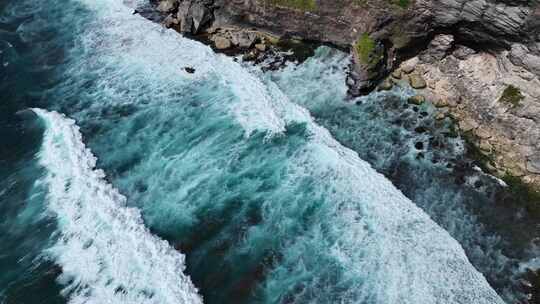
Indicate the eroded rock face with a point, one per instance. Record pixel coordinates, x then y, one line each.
400 31
469 85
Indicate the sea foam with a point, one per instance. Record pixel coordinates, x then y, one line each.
106 253
391 251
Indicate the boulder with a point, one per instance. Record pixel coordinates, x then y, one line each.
408 66
243 39
167 6
482 133
522 56
185 17
417 99
417 82
170 21
222 43
201 15
467 125
396 74
438 48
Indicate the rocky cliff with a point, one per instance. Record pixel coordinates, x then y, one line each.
478 61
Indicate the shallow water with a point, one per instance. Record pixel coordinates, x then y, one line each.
261 181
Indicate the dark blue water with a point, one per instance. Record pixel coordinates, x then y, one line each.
251 176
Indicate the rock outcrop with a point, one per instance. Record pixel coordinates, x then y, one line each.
493 98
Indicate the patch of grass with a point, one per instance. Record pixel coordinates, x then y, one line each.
366 49
512 95
304 5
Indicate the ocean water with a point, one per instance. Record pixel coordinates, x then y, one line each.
125 179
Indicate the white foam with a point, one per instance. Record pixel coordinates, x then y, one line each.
405 255
157 56
391 247
106 253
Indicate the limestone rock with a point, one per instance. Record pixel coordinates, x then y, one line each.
438 48
417 82
467 125
417 99
533 164
167 6
222 43
407 68
170 21
462 52
201 16
482 133
522 56
243 39
485 146
185 17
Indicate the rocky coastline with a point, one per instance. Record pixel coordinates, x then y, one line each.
477 61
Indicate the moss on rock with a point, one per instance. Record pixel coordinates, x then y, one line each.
366 48
512 95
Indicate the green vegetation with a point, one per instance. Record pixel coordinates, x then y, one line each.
304 5
512 95
367 50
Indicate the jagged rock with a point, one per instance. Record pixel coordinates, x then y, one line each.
222 43
417 82
185 17
417 99
482 133
243 39
408 68
201 16
440 102
438 48
170 21
462 52
533 164
485 146
467 125
166 6
522 56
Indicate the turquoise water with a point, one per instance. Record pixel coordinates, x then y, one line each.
228 185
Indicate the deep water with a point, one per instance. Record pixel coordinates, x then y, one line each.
228 185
